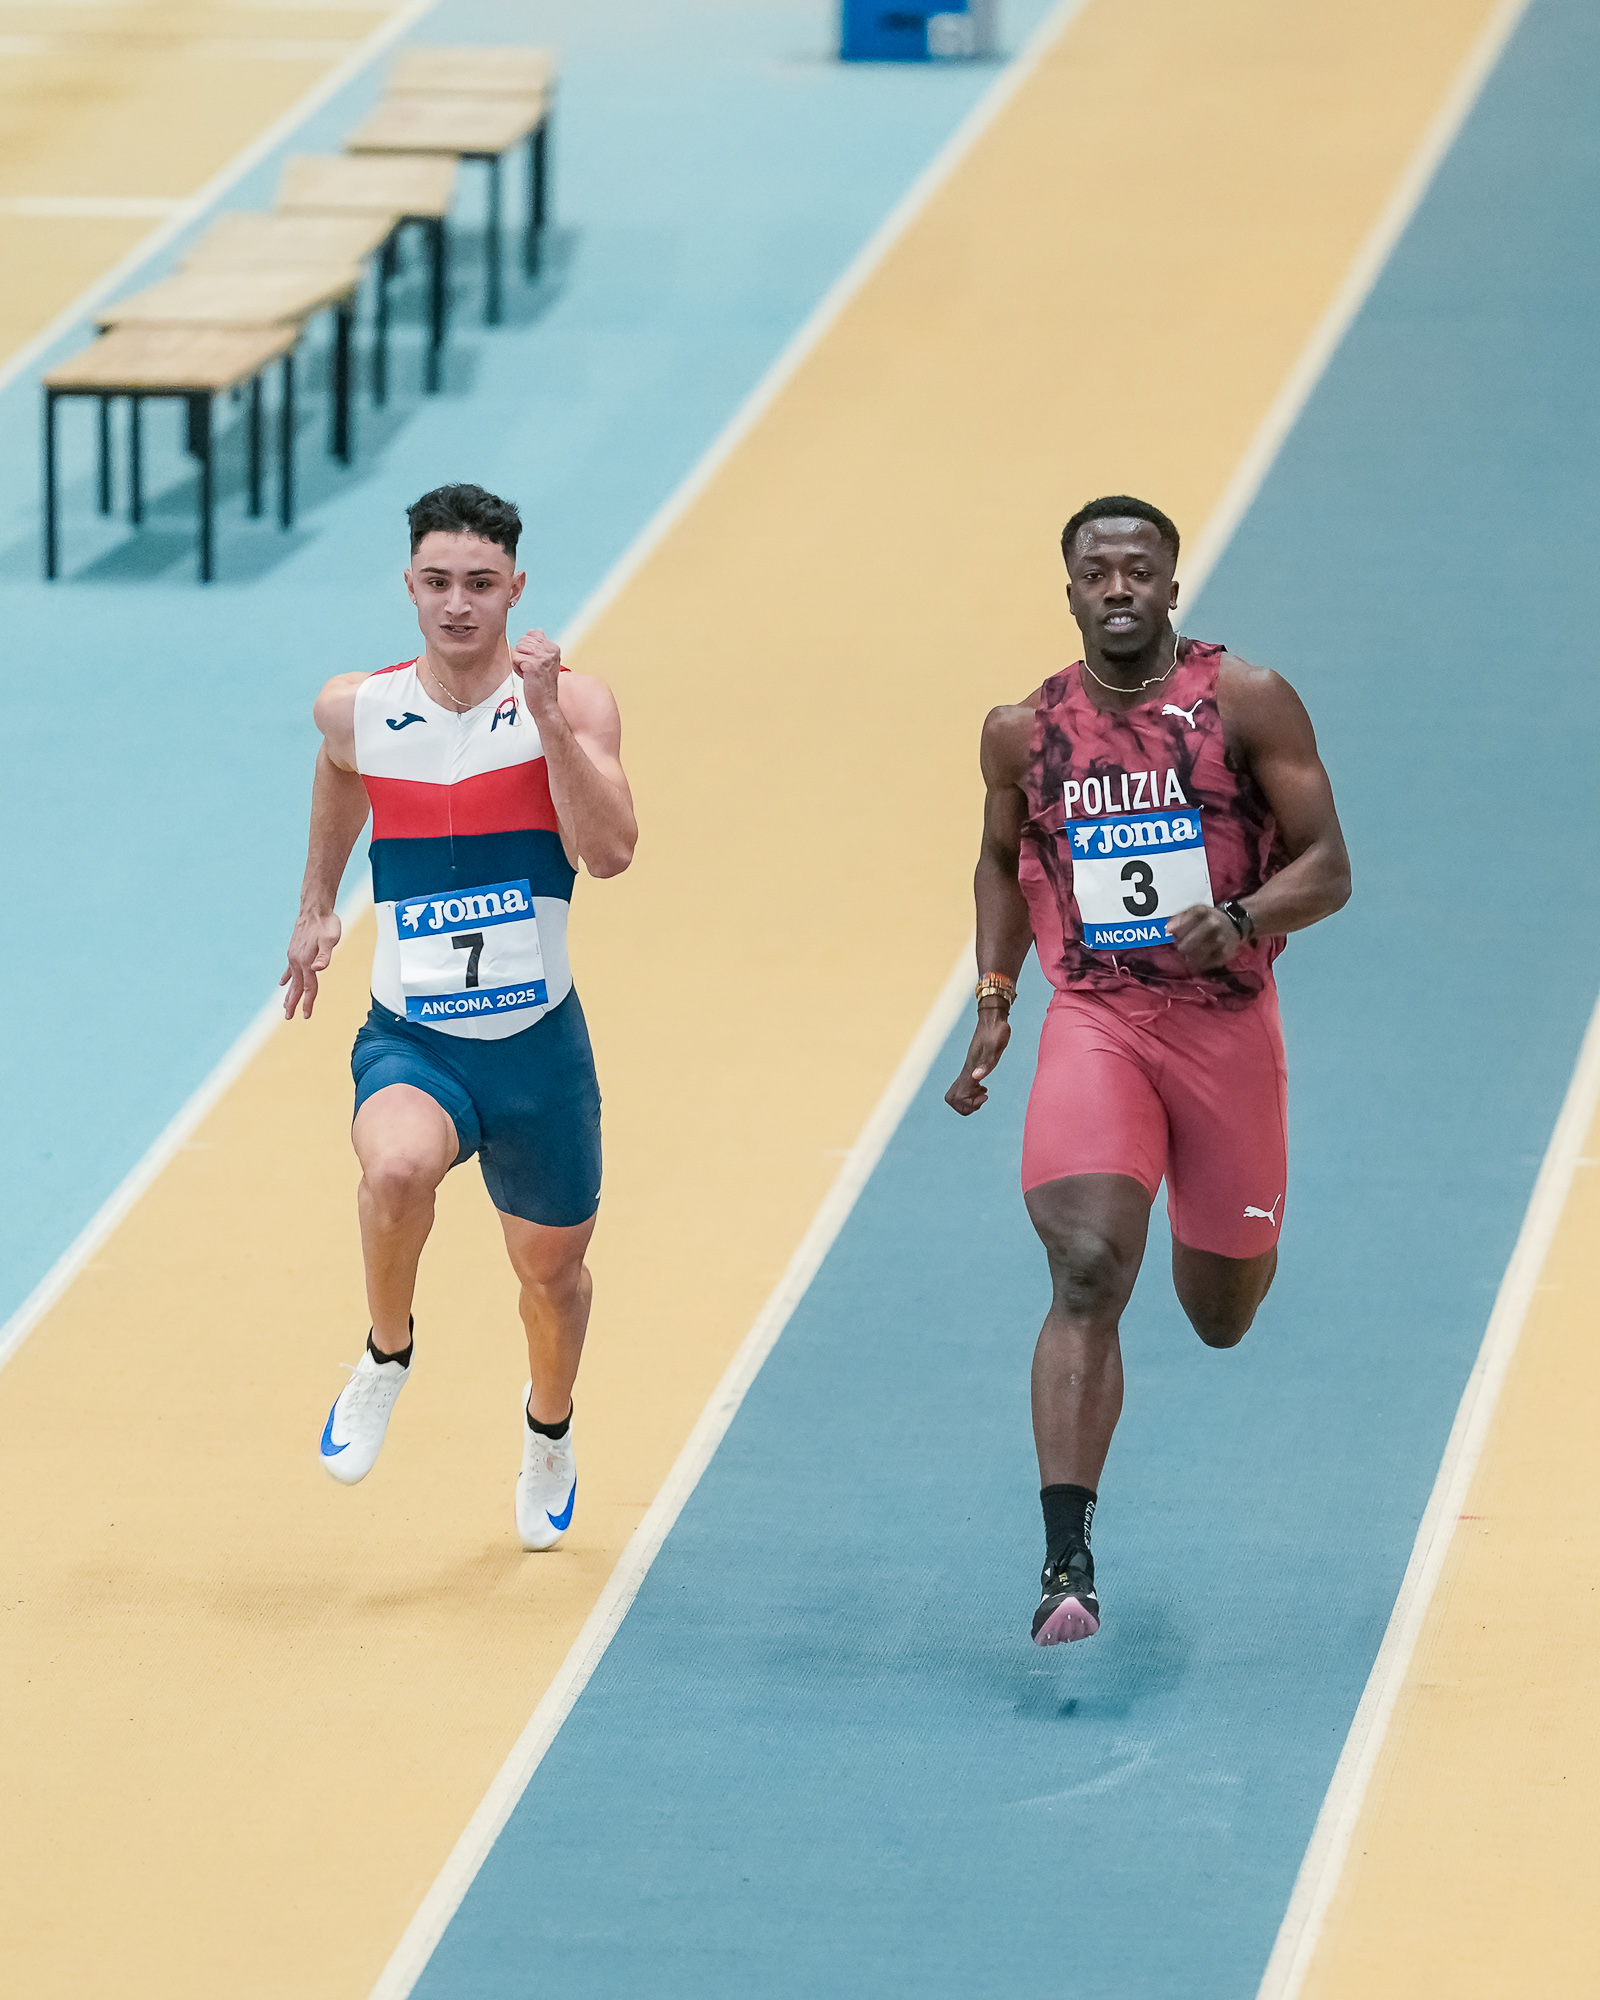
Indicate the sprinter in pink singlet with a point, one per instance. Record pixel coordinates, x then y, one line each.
1157 819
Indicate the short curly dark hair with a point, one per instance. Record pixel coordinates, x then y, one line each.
1118 507
465 510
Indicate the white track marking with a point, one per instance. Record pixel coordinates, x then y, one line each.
1341 1809
442 1901
101 1224
169 1141
183 213
91 207
90 43
1351 296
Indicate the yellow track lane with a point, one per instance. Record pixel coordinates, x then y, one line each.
248 1712
1473 1867
145 99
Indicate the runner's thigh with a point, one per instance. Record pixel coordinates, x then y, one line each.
1094 1107
1226 1091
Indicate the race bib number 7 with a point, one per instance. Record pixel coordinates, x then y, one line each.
471 951
1130 874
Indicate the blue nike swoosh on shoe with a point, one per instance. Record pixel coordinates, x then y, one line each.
561 1520
407 717
332 1450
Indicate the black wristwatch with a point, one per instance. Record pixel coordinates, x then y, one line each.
1240 918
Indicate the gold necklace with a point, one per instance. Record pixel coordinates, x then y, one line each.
1115 687
462 707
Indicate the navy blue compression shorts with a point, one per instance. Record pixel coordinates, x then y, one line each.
527 1105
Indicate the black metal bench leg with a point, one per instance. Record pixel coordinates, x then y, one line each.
286 445
255 447
492 249
439 246
135 460
105 454
380 320
199 408
341 383
535 229
50 482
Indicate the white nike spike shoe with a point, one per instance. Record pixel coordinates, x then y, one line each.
353 1435
547 1486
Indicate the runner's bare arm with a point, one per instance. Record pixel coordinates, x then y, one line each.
581 731
1005 929
338 813
1266 725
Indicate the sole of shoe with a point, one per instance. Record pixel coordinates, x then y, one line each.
1070 1620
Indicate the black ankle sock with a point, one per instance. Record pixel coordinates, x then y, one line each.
549 1430
1068 1510
404 1357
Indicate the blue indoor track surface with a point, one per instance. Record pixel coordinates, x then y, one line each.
713 173
821 1757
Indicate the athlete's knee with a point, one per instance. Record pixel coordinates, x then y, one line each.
400 1182
1221 1325
1087 1272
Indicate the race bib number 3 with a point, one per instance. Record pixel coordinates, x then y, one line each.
471 951
1129 875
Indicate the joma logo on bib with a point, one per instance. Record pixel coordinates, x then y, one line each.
503 903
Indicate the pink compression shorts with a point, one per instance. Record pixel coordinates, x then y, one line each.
1131 1084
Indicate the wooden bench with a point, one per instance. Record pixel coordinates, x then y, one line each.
405 193
278 295
190 364
253 242
470 126
474 72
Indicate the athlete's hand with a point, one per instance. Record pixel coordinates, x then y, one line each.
310 948
1205 936
988 1045
537 660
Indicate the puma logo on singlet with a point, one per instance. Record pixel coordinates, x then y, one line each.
407 717
1263 1214
1171 708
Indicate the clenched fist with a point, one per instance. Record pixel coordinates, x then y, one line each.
537 659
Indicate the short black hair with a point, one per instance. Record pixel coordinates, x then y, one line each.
465 510
1118 507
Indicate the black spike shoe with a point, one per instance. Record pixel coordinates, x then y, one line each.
1068 1608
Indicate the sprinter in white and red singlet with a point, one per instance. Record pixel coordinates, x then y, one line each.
1156 820
490 773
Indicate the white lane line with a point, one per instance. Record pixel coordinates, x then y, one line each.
91 207
442 1901
215 189
1351 296
1341 1809
97 1231
100 44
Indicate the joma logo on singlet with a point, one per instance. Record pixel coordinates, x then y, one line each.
1140 791
480 906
